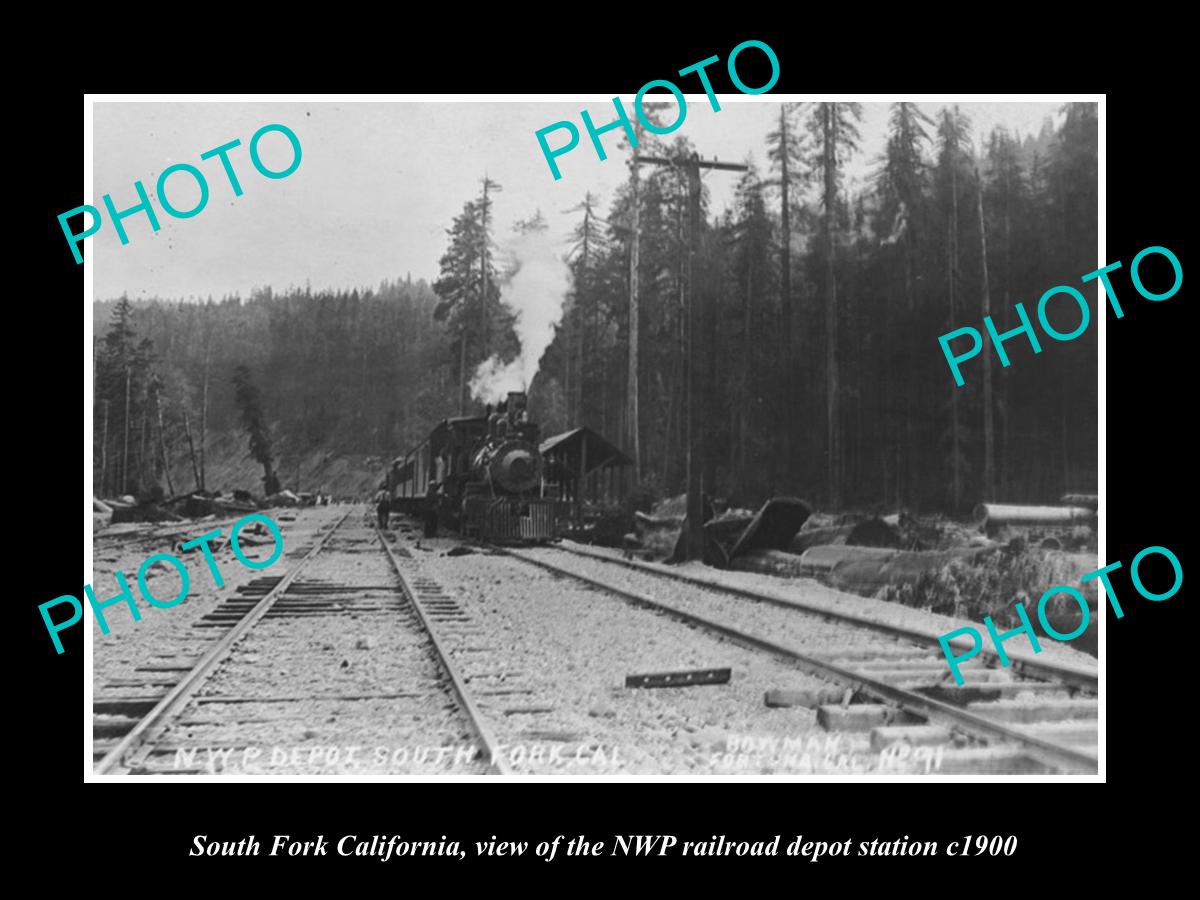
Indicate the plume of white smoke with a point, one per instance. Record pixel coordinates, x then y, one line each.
536 294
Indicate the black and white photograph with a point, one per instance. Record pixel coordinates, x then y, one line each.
448 438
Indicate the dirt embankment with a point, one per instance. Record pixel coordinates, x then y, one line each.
229 466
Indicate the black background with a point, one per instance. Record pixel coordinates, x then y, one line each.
1071 828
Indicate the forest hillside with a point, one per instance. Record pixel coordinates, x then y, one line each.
826 299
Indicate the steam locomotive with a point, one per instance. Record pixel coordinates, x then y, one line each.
481 476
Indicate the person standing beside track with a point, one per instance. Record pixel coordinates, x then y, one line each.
383 508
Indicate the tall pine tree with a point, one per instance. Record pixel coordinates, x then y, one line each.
902 183
466 269
785 151
834 137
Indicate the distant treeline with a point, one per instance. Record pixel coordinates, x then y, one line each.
826 379
352 371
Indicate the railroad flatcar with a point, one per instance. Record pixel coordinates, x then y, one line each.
481 476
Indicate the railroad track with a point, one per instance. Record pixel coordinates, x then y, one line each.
440 668
1037 716
508 703
277 676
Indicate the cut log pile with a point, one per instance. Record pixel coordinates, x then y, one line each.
858 570
933 562
195 505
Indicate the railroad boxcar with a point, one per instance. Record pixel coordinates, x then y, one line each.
481 476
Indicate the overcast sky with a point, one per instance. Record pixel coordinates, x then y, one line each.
380 183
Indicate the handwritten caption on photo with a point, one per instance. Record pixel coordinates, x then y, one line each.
831 754
255 759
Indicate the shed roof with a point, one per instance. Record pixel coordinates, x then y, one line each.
600 453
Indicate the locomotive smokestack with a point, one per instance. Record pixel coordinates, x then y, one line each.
516 400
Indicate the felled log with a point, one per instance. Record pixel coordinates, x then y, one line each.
154 513
864 570
827 557
122 514
193 505
817 537
1090 501
102 514
996 514
868 533
769 562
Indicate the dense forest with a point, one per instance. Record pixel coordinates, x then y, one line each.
823 379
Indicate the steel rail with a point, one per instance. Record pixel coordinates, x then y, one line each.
176 698
1046 752
486 737
1074 676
